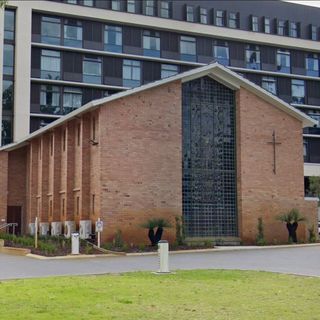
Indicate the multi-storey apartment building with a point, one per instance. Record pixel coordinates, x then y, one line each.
60 54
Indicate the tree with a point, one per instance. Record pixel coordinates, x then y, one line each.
160 224
3 3
292 219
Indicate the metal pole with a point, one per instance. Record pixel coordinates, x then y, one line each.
36 233
99 236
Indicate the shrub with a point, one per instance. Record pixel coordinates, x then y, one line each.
260 240
312 234
158 223
118 240
180 238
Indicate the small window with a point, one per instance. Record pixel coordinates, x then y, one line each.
77 205
294 30
92 70
266 25
9 24
63 139
165 9
297 91
93 204
188 48
72 1
254 24
313 32
150 9
203 16
88 3
151 43
78 134
115 5
253 57
72 99
50 64
269 84
312 65
51 145
220 18
63 205
168 70
8 59
131 73
93 128
281 28
190 13
7 95
233 20
50 99
221 52
113 39
73 33
50 30
283 61
131 6
50 208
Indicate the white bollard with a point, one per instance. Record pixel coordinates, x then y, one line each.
74 243
163 251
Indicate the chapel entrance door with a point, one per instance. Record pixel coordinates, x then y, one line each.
14 216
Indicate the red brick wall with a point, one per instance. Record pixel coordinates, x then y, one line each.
261 193
141 175
3 185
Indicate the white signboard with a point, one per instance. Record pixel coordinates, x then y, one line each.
99 226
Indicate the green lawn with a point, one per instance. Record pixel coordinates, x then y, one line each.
204 295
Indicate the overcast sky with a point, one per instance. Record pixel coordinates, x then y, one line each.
313 3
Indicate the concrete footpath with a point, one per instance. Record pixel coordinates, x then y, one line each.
300 260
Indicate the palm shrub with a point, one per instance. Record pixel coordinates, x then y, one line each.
260 240
153 223
292 219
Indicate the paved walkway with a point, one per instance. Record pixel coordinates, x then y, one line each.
302 261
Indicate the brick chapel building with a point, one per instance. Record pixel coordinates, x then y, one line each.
206 144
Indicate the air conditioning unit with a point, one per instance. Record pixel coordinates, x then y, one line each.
44 228
69 227
85 229
56 228
32 229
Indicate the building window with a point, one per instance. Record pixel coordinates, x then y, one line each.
151 43
72 1
165 9
168 70
64 137
50 64
305 150
253 57
297 91
7 95
150 9
221 52
115 5
220 18
188 48
203 15
190 13
113 38
8 59
92 70
50 99
266 25
294 30
73 33
254 24
313 32
6 130
233 20
269 84
131 6
93 128
283 61
312 65
281 28
72 99
316 116
77 205
88 3
131 73
50 30
9 23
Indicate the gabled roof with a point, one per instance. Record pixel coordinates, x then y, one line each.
214 70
